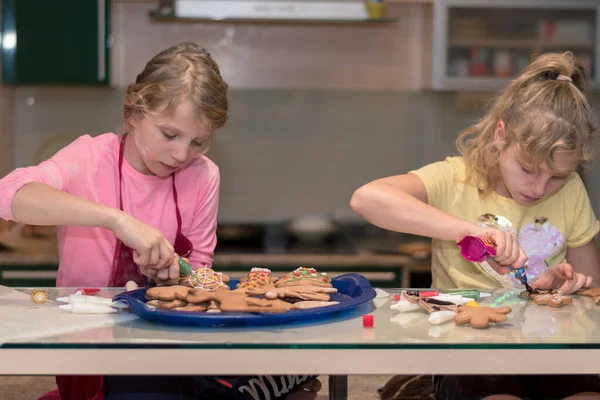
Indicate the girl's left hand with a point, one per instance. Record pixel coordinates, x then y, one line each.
564 277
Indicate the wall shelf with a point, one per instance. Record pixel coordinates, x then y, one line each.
160 18
481 45
520 44
489 84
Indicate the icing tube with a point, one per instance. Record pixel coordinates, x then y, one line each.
87 308
471 293
87 291
185 268
439 317
405 306
78 298
477 249
455 298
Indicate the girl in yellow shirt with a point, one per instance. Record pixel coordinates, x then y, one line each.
516 183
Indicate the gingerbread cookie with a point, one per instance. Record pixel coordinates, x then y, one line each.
525 295
256 278
480 317
167 304
291 293
192 308
547 297
167 293
212 307
207 279
237 301
593 292
302 305
303 276
553 300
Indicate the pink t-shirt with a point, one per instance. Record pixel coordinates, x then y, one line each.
88 168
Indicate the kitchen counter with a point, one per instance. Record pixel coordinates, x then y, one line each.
384 270
253 259
25 259
353 259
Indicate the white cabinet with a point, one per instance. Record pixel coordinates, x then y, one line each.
479 45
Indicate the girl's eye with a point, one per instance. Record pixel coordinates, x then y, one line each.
203 143
527 171
167 135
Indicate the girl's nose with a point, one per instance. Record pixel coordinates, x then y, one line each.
179 153
539 188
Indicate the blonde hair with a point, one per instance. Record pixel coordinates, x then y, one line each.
544 109
181 73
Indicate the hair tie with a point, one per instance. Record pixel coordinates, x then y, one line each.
563 78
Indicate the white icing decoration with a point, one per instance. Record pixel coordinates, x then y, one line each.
257 269
204 277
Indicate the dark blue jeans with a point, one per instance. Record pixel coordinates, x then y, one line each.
261 387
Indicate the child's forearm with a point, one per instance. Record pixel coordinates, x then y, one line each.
396 210
40 204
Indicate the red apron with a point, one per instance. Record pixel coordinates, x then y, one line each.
123 270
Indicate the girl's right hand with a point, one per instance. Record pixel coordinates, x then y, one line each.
170 275
509 254
152 251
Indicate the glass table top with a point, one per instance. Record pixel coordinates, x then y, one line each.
29 325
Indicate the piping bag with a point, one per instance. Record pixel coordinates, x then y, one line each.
477 249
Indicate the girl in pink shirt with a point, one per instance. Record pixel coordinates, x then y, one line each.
129 201
127 207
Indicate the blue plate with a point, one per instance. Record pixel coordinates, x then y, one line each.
353 290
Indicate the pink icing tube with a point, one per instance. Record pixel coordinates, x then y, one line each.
477 249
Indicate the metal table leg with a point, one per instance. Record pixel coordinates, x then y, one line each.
338 387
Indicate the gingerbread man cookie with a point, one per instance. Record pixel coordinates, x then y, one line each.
551 299
303 276
237 301
480 317
547 297
167 293
256 278
291 293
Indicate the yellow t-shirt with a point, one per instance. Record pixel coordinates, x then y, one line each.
545 230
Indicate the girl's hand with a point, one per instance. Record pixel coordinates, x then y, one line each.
152 251
509 254
171 275
563 277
